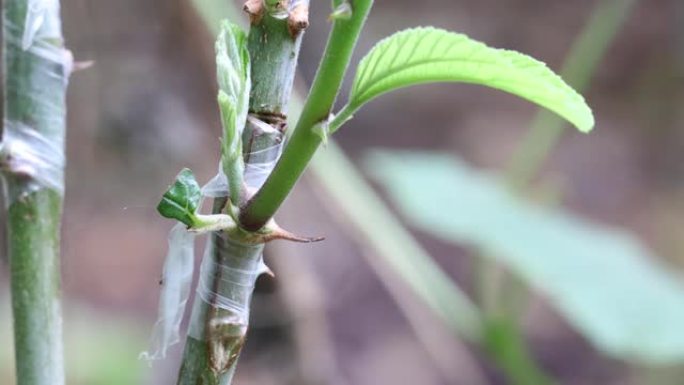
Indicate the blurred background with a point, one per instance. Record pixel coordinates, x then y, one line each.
336 312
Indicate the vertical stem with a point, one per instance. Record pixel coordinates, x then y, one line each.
216 334
273 52
506 346
35 69
304 141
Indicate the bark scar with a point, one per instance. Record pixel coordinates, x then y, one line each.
225 340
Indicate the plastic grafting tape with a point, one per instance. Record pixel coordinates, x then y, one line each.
256 172
39 32
228 284
36 153
27 153
217 187
176 282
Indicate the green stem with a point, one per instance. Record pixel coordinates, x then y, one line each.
35 73
507 347
217 333
220 315
304 141
274 54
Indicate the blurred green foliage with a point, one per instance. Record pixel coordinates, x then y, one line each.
604 281
98 351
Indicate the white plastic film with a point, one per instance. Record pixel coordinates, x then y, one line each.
226 284
260 162
32 147
31 154
175 282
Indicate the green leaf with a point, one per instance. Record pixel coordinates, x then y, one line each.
231 147
232 61
430 55
233 76
603 280
182 199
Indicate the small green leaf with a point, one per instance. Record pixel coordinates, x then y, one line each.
182 199
232 61
430 55
604 281
231 147
233 75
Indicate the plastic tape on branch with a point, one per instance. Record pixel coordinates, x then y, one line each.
267 145
33 145
227 277
226 284
28 154
176 281
40 32
256 172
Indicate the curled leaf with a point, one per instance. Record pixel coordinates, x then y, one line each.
233 76
182 199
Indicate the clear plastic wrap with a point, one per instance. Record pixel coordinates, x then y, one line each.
226 284
176 281
228 271
32 148
39 158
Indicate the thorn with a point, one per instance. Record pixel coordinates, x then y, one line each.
280 234
82 65
264 269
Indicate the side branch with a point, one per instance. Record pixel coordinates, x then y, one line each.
304 142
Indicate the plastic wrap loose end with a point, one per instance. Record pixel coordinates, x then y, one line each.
26 153
176 281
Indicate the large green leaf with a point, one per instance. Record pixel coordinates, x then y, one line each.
429 55
603 280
